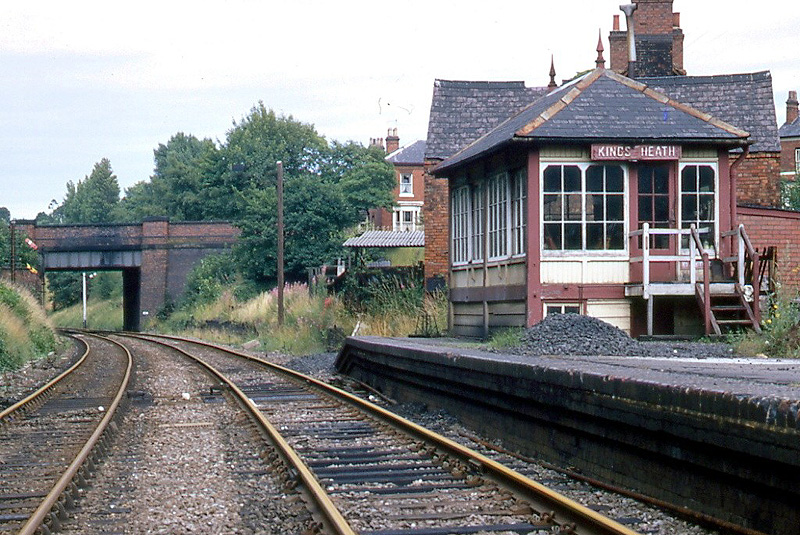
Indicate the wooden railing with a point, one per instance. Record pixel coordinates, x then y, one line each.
742 250
696 244
647 258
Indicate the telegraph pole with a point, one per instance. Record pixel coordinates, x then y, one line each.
280 243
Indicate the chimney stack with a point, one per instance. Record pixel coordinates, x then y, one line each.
628 9
791 107
658 39
392 141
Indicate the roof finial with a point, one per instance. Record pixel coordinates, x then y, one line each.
600 61
552 85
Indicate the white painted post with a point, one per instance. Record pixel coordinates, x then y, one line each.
646 260
740 260
692 260
83 277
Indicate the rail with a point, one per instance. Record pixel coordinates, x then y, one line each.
542 498
41 393
51 501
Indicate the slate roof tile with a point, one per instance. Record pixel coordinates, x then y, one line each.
413 154
603 106
790 129
463 111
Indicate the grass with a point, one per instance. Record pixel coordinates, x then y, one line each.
25 332
780 335
311 321
103 315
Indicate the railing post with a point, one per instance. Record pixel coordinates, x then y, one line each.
692 261
646 260
707 292
741 250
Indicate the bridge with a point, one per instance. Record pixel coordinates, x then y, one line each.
155 256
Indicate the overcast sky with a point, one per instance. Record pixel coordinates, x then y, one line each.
85 80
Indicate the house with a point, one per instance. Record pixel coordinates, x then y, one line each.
616 195
790 145
409 194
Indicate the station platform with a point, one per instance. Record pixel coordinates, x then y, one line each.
720 436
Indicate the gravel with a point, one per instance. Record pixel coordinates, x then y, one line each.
575 334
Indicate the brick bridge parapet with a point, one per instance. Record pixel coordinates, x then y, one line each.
155 256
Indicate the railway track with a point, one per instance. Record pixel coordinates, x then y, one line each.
365 470
51 441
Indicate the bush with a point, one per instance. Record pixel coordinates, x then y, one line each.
25 333
780 335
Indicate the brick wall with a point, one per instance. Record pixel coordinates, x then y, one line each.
436 217
778 228
788 146
659 40
758 179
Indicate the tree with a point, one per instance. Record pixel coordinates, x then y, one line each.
91 200
183 167
252 148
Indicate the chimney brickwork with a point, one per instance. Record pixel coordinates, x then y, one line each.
659 40
791 107
392 141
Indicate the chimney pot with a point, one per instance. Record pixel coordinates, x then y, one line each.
616 23
791 107
676 20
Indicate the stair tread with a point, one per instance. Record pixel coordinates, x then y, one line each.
735 322
727 307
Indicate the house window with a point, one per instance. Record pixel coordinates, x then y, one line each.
797 161
583 208
406 219
518 212
498 216
406 185
698 202
477 224
562 308
461 225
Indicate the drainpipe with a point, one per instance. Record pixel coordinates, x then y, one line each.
628 9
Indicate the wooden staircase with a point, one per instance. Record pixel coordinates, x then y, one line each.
732 304
728 310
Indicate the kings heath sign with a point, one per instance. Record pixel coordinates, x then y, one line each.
636 152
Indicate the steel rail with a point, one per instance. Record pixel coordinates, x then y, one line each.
333 519
548 502
38 518
40 393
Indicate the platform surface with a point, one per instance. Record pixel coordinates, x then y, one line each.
750 377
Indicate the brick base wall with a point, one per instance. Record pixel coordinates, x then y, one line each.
778 228
436 218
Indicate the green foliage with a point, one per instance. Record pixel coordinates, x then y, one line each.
377 291
91 200
65 288
25 255
506 338
207 280
780 335
101 314
177 188
25 333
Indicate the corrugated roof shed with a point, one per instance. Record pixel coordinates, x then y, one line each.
413 154
388 238
463 111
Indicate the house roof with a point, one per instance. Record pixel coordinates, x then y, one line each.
413 154
744 100
388 238
463 111
603 106
790 129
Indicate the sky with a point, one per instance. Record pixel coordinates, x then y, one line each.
85 80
